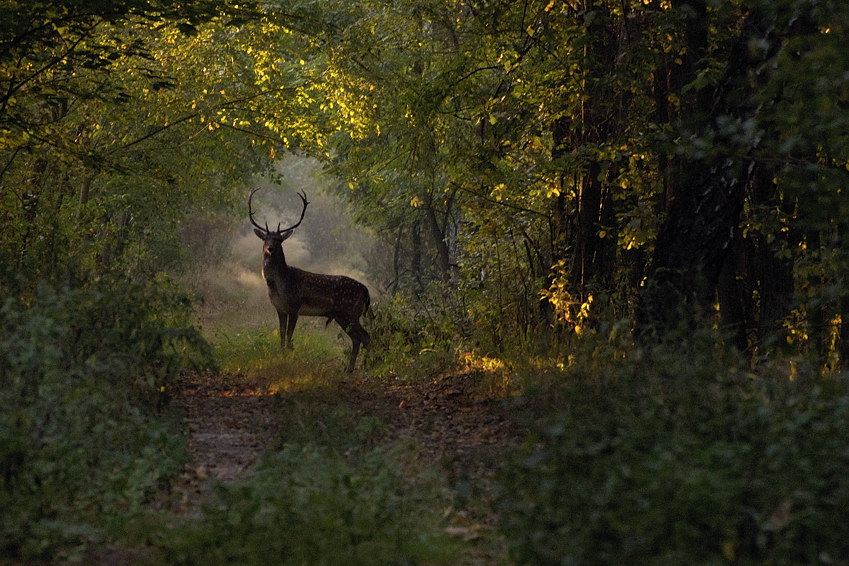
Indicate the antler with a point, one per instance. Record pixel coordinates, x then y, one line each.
251 213
302 195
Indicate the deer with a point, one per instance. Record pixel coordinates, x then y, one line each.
295 292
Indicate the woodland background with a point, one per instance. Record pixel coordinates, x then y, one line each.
634 210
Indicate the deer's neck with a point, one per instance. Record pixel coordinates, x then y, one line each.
274 260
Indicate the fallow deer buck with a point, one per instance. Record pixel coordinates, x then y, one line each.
295 292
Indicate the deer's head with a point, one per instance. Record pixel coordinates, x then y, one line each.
273 239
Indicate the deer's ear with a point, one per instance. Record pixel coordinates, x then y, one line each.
285 235
259 233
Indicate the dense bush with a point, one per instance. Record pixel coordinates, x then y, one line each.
679 456
414 335
311 505
83 372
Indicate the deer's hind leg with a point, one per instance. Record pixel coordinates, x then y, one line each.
358 336
364 336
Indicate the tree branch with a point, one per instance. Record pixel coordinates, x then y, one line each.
499 203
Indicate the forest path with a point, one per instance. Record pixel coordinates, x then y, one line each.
453 420
225 416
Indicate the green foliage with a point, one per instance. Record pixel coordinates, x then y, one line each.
108 142
312 505
414 336
511 147
83 373
519 147
678 455
498 150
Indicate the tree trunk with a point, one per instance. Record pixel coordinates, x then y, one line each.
691 249
437 235
707 191
734 294
579 221
416 255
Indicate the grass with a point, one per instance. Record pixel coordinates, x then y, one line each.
319 356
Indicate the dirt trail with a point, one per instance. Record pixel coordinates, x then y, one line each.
229 421
450 419
224 416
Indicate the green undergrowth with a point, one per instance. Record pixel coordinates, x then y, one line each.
412 339
679 454
86 435
669 454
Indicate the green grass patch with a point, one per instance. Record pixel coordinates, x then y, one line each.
319 357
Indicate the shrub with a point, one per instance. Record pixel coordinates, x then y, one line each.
83 372
413 337
680 456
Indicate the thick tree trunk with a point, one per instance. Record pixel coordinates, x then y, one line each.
708 192
580 220
691 249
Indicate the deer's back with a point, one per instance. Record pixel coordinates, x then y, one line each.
314 294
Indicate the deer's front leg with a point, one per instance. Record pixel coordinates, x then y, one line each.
290 329
283 319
